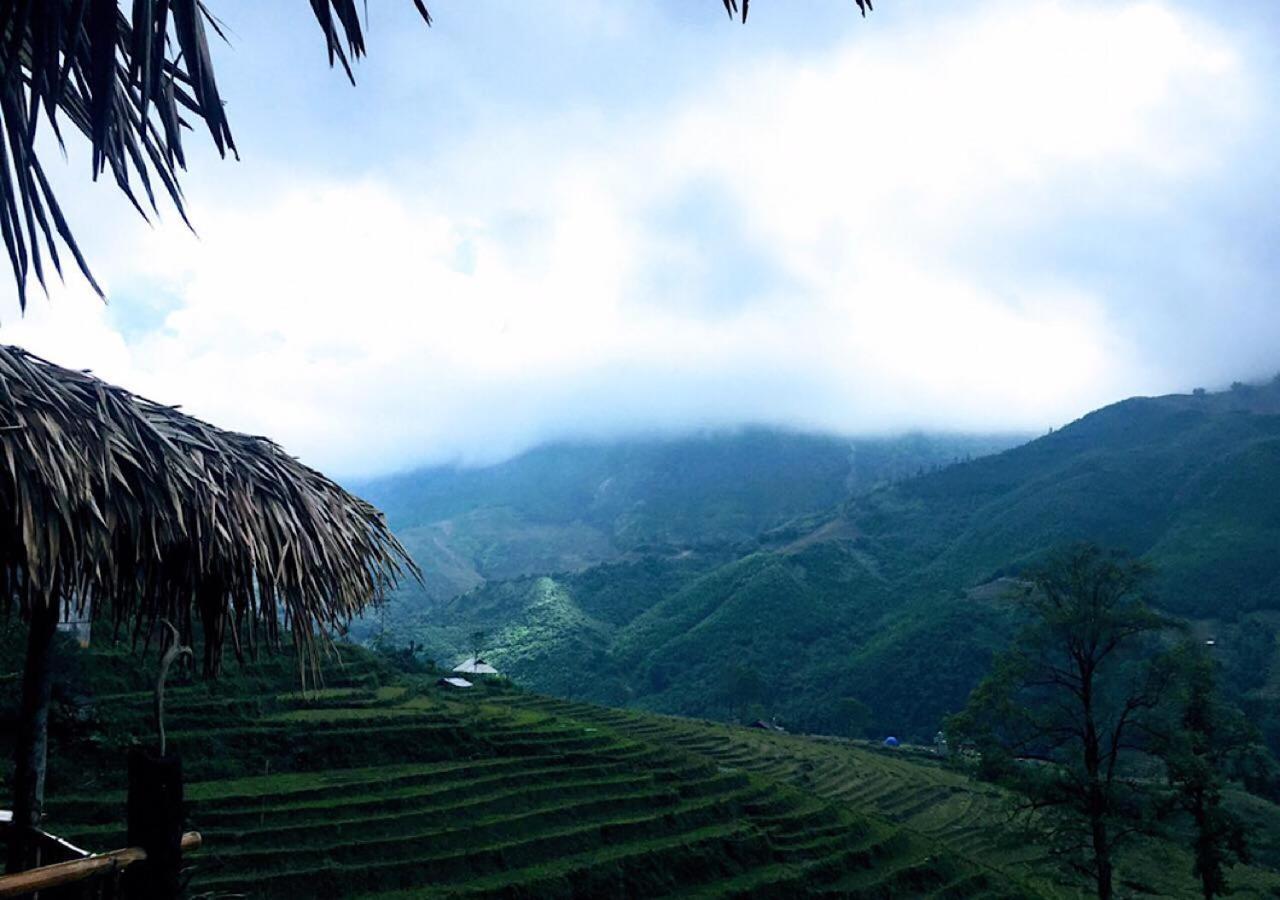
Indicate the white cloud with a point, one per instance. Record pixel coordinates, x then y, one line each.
506 293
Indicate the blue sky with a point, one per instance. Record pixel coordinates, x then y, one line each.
594 217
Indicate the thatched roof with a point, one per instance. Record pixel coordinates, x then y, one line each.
145 512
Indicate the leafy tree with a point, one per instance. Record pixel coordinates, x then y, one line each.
855 716
743 688
410 658
1062 712
1204 739
1253 644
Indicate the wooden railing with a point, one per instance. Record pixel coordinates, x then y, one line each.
98 865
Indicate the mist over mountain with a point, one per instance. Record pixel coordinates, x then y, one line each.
681 576
565 506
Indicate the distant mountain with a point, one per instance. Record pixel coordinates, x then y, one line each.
891 594
1192 483
564 507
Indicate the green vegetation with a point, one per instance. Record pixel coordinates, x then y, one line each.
564 507
1204 742
936 801
1068 713
385 785
1092 704
895 596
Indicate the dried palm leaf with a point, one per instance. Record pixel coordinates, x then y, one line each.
112 505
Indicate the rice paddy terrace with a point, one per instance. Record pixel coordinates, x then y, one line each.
370 789
911 788
388 786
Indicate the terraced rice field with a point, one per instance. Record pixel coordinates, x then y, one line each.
409 790
913 790
386 785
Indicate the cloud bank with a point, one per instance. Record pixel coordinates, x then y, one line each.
990 221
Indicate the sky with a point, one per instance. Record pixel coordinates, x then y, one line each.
592 218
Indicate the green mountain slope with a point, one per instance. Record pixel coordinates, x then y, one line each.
564 507
892 597
1188 482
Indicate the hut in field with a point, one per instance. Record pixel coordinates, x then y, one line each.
124 510
474 665
454 683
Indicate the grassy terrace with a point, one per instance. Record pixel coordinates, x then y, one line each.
388 786
940 807
384 785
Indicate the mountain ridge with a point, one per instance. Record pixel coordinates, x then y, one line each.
565 506
878 597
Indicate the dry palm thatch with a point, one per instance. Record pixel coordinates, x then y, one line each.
112 504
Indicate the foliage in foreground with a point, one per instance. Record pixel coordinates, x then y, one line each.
1088 706
1204 741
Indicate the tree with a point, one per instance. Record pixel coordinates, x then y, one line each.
129 83
1199 745
1065 706
478 640
743 688
854 716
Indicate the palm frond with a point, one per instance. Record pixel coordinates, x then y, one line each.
112 505
130 82
733 9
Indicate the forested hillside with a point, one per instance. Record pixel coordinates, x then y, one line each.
881 612
564 507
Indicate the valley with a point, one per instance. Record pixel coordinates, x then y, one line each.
884 589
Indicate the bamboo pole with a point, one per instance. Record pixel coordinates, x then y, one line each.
46 877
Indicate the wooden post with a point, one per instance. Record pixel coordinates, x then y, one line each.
155 825
31 750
